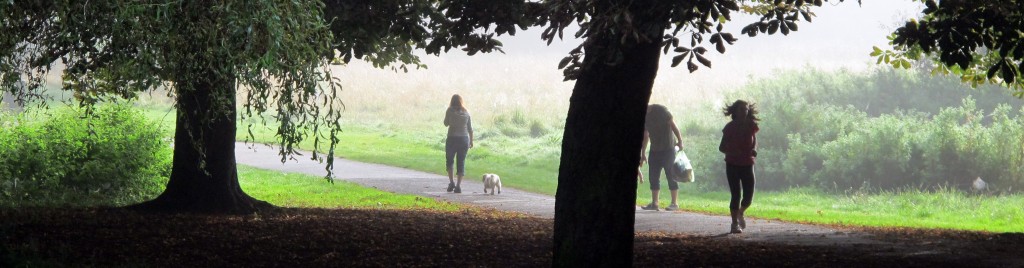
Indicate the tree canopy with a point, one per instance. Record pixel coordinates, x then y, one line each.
274 51
272 55
695 26
980 41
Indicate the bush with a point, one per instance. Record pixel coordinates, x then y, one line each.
113 157
881 130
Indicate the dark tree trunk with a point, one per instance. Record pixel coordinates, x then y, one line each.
596 197
201 132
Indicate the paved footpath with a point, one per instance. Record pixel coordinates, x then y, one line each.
399 180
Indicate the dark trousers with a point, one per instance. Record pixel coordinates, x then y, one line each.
740 178
455 148
656 162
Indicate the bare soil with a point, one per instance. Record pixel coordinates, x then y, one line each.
292 237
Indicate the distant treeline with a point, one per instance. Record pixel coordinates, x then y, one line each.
881 129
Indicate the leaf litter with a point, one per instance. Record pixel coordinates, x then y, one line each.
314 237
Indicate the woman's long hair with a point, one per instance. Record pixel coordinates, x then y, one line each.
456 103
730 110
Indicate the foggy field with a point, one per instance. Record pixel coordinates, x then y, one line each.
879 148
868 145
873 148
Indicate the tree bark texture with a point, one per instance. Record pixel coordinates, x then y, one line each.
204 175
596 197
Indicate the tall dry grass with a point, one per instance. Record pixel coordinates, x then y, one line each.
494 85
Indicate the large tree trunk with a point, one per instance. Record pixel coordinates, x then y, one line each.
596 197
204 177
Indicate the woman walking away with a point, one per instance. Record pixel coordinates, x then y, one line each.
738 144
460 139
664 137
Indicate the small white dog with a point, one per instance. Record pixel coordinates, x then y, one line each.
492 182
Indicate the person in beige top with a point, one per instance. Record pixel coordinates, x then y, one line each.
460 139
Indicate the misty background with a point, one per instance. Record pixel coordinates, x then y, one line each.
840 37
833 118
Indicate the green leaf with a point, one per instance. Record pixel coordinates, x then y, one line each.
876 51
1008 73
564 62
676 60
792 26
993 70
703 60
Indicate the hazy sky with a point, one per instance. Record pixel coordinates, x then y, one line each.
840 36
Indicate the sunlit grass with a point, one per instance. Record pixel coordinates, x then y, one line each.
396 121
945 209
531 164
527 165
300 190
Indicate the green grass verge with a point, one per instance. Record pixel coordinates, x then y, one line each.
942 209
529 165
424 151
916 209
300 190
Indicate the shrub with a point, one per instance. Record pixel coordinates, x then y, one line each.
878 130
113 157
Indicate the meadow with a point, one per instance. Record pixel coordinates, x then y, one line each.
874 148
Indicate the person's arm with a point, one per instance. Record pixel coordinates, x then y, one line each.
723 146
643 147
753 147
675 130
446 115
469 127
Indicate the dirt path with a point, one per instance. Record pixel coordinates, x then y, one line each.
399 180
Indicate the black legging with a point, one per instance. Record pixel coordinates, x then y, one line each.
740 177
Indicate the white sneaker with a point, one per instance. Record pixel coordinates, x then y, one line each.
735 229
743 223
672 207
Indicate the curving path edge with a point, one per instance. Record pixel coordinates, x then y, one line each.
406 181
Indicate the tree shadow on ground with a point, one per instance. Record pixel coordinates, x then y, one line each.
468 238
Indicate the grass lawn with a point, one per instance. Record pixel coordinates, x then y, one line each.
944 209
528 164
300 190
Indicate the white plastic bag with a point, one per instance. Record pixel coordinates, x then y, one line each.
681 169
